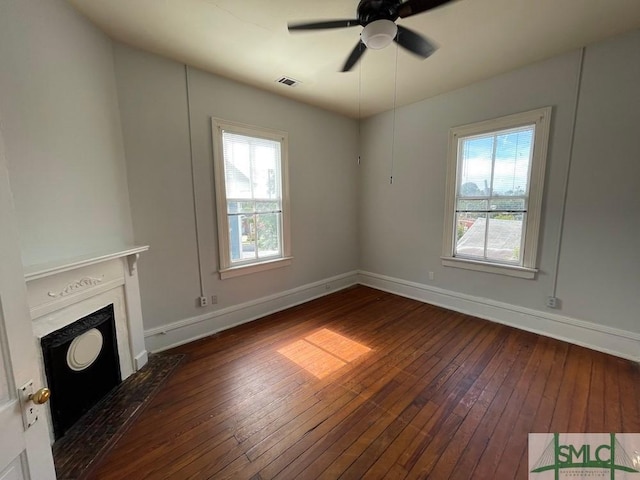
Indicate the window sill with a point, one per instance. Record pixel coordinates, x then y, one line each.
510 270
254 267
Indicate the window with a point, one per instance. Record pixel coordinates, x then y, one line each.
251 180
495 179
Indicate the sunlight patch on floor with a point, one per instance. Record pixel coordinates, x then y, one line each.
323 352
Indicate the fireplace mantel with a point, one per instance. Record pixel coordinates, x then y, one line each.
62 292
42 270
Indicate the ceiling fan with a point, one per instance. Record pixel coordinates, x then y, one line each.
378 18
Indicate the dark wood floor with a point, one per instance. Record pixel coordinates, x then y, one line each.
364 384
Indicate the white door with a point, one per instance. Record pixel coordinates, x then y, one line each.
25 453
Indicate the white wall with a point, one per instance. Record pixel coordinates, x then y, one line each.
401 225
323 187
61 126
599 274
153 105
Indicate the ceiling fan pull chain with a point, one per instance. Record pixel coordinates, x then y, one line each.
359 111
393 128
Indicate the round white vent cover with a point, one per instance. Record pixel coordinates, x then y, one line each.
84 349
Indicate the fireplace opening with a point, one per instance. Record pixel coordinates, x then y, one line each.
82 365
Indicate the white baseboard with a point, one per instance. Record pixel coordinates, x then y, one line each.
141 360
596 337
605 339
190 329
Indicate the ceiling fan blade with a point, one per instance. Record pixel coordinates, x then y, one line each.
355 55
414 42
412 7
325 24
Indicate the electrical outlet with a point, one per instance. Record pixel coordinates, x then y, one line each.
204 301
327 286
431 276
552 302
214 299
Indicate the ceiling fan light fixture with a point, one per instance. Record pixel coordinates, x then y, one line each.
379 34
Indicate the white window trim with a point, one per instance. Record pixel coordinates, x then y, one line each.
227 270
541 118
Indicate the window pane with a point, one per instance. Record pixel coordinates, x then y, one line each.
235 237
512 162
248 237
497 166
268 207
234 206
252 173
265 175
464 204
240 207
268 234
507 203
504 237
476 158
237 166
243 237
470 234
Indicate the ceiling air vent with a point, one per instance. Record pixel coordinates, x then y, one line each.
288 81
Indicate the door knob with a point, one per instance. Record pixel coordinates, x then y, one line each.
41 396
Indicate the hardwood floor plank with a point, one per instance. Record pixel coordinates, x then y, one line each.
546 408
415 391
482 435
613 412
518 440
629 395
596 406
502 435
474 407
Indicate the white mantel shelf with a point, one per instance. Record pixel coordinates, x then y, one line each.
42 270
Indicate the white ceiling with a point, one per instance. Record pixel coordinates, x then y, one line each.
248 41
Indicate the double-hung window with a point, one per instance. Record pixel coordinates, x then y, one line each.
495 181
251 181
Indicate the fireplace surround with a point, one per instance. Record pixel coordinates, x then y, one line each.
81 366
62 293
